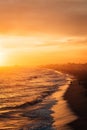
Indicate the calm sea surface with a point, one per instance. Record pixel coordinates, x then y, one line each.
25 98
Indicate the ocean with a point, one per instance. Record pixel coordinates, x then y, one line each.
26 99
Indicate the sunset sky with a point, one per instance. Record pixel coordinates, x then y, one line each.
34 32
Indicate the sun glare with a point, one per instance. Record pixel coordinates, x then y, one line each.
2 59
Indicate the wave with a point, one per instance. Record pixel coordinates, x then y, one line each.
35 101
27 99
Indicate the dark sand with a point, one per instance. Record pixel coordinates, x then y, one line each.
77 99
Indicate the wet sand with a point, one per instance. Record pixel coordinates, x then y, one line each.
77 100
63 114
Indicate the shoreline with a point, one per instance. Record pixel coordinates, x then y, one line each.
63 114
77 100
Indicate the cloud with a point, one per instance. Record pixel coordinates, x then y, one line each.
60 17
20 42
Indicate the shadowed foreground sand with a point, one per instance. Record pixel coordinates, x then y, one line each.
76 97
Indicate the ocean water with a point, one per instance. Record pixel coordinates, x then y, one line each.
26 98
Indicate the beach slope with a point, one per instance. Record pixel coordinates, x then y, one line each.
76 97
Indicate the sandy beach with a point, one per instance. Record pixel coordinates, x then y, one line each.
63 114
77 100
53 101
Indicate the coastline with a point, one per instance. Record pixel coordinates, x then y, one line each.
62 114
77 100
63 108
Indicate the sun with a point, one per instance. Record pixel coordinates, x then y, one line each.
2 59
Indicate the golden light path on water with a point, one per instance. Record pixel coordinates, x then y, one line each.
27 100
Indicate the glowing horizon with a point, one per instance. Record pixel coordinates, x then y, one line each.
34 32
17 50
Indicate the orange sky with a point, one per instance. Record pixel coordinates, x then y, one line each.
34 32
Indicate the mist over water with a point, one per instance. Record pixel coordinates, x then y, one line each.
25 98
